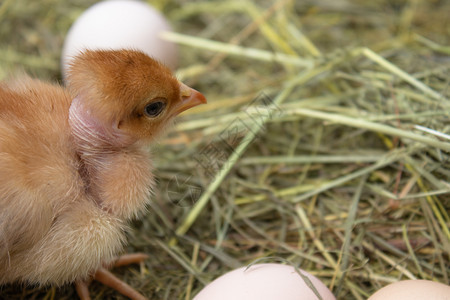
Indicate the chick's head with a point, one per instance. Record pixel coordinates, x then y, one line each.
124 95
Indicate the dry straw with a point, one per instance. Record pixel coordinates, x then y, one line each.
325 141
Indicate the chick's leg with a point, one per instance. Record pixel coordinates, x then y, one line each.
107 278
82 290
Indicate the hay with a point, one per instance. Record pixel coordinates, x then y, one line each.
325 142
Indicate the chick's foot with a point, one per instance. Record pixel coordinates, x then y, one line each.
107 278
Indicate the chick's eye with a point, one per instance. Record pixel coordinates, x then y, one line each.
155 108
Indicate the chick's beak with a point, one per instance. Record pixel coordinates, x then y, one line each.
189 99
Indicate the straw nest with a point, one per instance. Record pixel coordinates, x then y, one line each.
325 142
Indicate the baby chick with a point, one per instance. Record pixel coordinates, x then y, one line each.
75 165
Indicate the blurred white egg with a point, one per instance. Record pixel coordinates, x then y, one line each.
264 282
120 24
413 290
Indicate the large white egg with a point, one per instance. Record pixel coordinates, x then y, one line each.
264 282
413 290
120 24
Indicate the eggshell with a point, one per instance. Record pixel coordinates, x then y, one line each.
264 282
413 290
119 24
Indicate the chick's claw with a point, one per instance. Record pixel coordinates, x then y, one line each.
107 278
132 258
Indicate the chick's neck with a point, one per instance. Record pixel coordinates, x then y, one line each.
117 172
93 134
